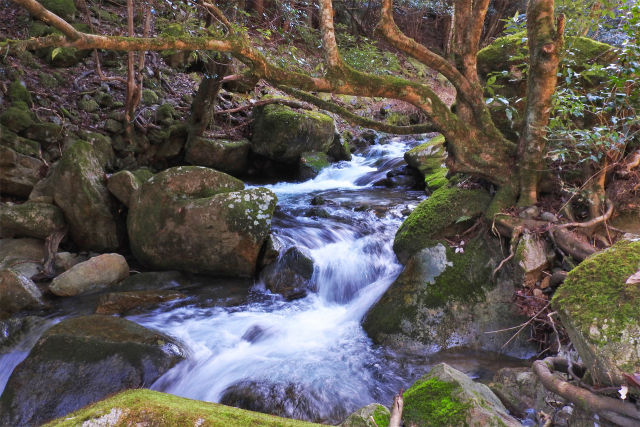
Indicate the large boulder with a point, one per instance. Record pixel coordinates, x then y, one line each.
93 275
24 256
17 292
147 407
80 361
221 154
290 275
30 220
445 211
448 397
18 173
601 313
283 134
79 189
444 299
199 220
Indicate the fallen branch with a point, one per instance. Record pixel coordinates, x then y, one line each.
592 222
614 410
287 102
395 420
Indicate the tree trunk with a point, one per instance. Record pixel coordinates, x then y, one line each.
545 44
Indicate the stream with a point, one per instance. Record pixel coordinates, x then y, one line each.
308 358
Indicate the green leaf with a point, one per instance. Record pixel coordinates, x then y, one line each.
55 52
463 218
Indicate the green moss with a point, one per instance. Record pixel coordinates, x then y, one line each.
433 402
16 118
595 293
18 92
398 119
437 179
66 9
88 105
48 81
434 216
381 417
154 408
315 161
149 97
39 29
21 145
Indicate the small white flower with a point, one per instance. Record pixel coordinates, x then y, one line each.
459 250
623 392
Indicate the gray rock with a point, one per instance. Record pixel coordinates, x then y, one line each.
362 417
18 173
30 220
282 134
122 302
467 402
123 184
79 187
17 292
93 275
221 154
66 260
444 299
290 275
88 357
533 255
199 220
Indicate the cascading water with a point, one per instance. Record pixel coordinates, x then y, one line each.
307 358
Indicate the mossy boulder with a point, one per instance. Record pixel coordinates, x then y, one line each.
79 189
362 417
18 92
448 397
446 298
123 184
18 173
445 211
66 9
93 275
147 407
602 314
311 164
17 292
46 133
17 117
149 97
19 144
282 134
199 220
221 154
427 157
89 358
30 219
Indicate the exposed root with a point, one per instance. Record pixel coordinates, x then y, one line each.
592 222
615 410
396 411
287 102
515 236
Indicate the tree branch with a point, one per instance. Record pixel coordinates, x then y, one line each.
39 12
355 119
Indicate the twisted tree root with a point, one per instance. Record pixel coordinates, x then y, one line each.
615 410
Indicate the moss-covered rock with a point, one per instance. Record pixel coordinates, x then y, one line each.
440 214
290 275
66 9
90 358
178 213
283 134
24 256
429 159
19 144
17 292
602 314
30 220
362 417
18 92
447 397
18 173
88 105
79 189
149 97
221 154
46 133
17 117
311 164
147 407
444 299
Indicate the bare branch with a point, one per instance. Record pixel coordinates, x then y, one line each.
39 12
355 119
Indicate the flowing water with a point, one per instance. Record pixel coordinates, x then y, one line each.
308 358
